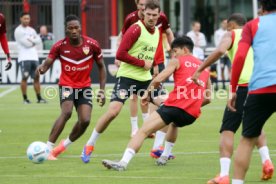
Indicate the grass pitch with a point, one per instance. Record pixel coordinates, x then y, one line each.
196 150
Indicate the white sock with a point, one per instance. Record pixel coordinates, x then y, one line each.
145 116
128 155
168 148
67 142
93 138
264 152
50 145
134 123
224 166
237 181
159 139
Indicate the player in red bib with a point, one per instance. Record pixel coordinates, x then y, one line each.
182 107
4 41
76 54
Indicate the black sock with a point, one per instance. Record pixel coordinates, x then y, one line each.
38 96
25 97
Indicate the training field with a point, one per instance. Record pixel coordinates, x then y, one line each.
196 149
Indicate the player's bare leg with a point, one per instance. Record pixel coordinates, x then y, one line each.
23 86
153 123
84 114
37 89
112 112
66 112
243 157
171 136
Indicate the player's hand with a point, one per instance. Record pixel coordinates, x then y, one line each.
8 65
232 102
148 65
145 98
101 98
155 71
117 63
41 69
195 77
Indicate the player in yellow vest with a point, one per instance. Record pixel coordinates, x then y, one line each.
136 52
232 120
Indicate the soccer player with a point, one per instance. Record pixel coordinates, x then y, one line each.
4 41
131 19
165 32
136 53
260 103
180 109
27 39
76 54
232 120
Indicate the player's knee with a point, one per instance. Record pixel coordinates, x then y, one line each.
84 122
67 114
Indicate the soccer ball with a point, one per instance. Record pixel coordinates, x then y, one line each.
38 152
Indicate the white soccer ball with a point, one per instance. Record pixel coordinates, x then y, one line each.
38 152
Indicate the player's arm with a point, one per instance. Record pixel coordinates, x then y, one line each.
161 77
44 67
5 47
207 94
119 39
102 73
102 81
129 39
170 36
248 33
224 45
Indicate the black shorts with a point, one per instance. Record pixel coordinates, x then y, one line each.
175 115
225 61
161 89
125 87
28 68
78 96
232 120
258 108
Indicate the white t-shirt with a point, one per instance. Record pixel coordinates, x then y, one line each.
218 36
199 43
26 39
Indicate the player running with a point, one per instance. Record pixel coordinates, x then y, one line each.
76 54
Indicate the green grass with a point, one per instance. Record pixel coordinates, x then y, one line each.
196 149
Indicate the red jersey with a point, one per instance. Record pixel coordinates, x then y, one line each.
249 31
186 94
162 24
76 61
3 38
2 24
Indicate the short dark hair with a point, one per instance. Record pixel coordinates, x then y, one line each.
268 5
153 4
237 18
70 18
182 42
23 14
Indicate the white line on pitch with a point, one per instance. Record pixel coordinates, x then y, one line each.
8 91
139 154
